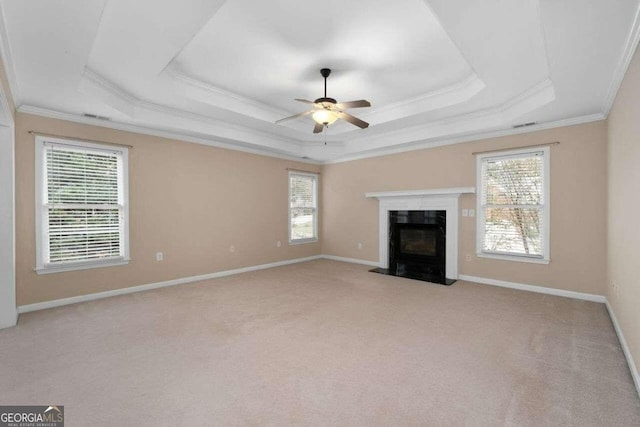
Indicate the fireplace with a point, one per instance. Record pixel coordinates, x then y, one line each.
435 199
417 241
417 245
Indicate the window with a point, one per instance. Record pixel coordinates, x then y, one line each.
513 205
81 205
303 207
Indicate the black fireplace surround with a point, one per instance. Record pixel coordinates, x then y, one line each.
417 246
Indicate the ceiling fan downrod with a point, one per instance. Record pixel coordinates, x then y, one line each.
325 72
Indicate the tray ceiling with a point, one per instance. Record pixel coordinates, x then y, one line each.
222 72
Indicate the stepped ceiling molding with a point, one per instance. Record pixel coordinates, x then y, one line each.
222 72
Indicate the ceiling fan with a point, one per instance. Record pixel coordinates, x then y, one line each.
327 110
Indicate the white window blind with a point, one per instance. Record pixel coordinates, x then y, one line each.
303 207
83 212
513 210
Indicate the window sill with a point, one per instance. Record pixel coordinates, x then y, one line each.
83 266
302 241
516 258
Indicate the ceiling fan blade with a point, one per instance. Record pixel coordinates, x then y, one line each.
306 101
353 104
318 128
295 116
353 120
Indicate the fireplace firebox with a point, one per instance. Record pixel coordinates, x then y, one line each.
417 246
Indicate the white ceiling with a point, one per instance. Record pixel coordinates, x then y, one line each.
222 72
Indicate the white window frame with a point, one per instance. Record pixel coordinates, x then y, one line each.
42 267
546 207
315 216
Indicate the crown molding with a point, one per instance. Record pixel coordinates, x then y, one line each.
6 117
6 113
208 93
498 116
150 113
228 135
75 118
96 86
470 81
536 96
469 138
199 90
448 96
7 59
630 47
441 98
162 116
241 136
479 121
43 112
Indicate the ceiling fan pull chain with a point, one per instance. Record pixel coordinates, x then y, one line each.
326 133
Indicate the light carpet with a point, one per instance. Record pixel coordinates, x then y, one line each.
322 343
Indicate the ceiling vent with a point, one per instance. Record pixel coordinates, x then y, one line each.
523 125
95 116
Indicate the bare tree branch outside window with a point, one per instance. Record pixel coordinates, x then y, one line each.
512 203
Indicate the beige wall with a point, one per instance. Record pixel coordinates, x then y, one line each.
578 204
624 207
190 201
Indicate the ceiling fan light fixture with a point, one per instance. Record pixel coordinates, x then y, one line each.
327 110
325 117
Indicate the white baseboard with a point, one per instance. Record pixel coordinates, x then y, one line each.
625 348
537 289
90 297
569 294
351 260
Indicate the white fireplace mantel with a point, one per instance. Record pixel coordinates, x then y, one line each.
457 191
445 199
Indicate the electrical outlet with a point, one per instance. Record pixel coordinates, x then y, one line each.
232 248
159 256
468 257
278 244
465 212
472 212
359 245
